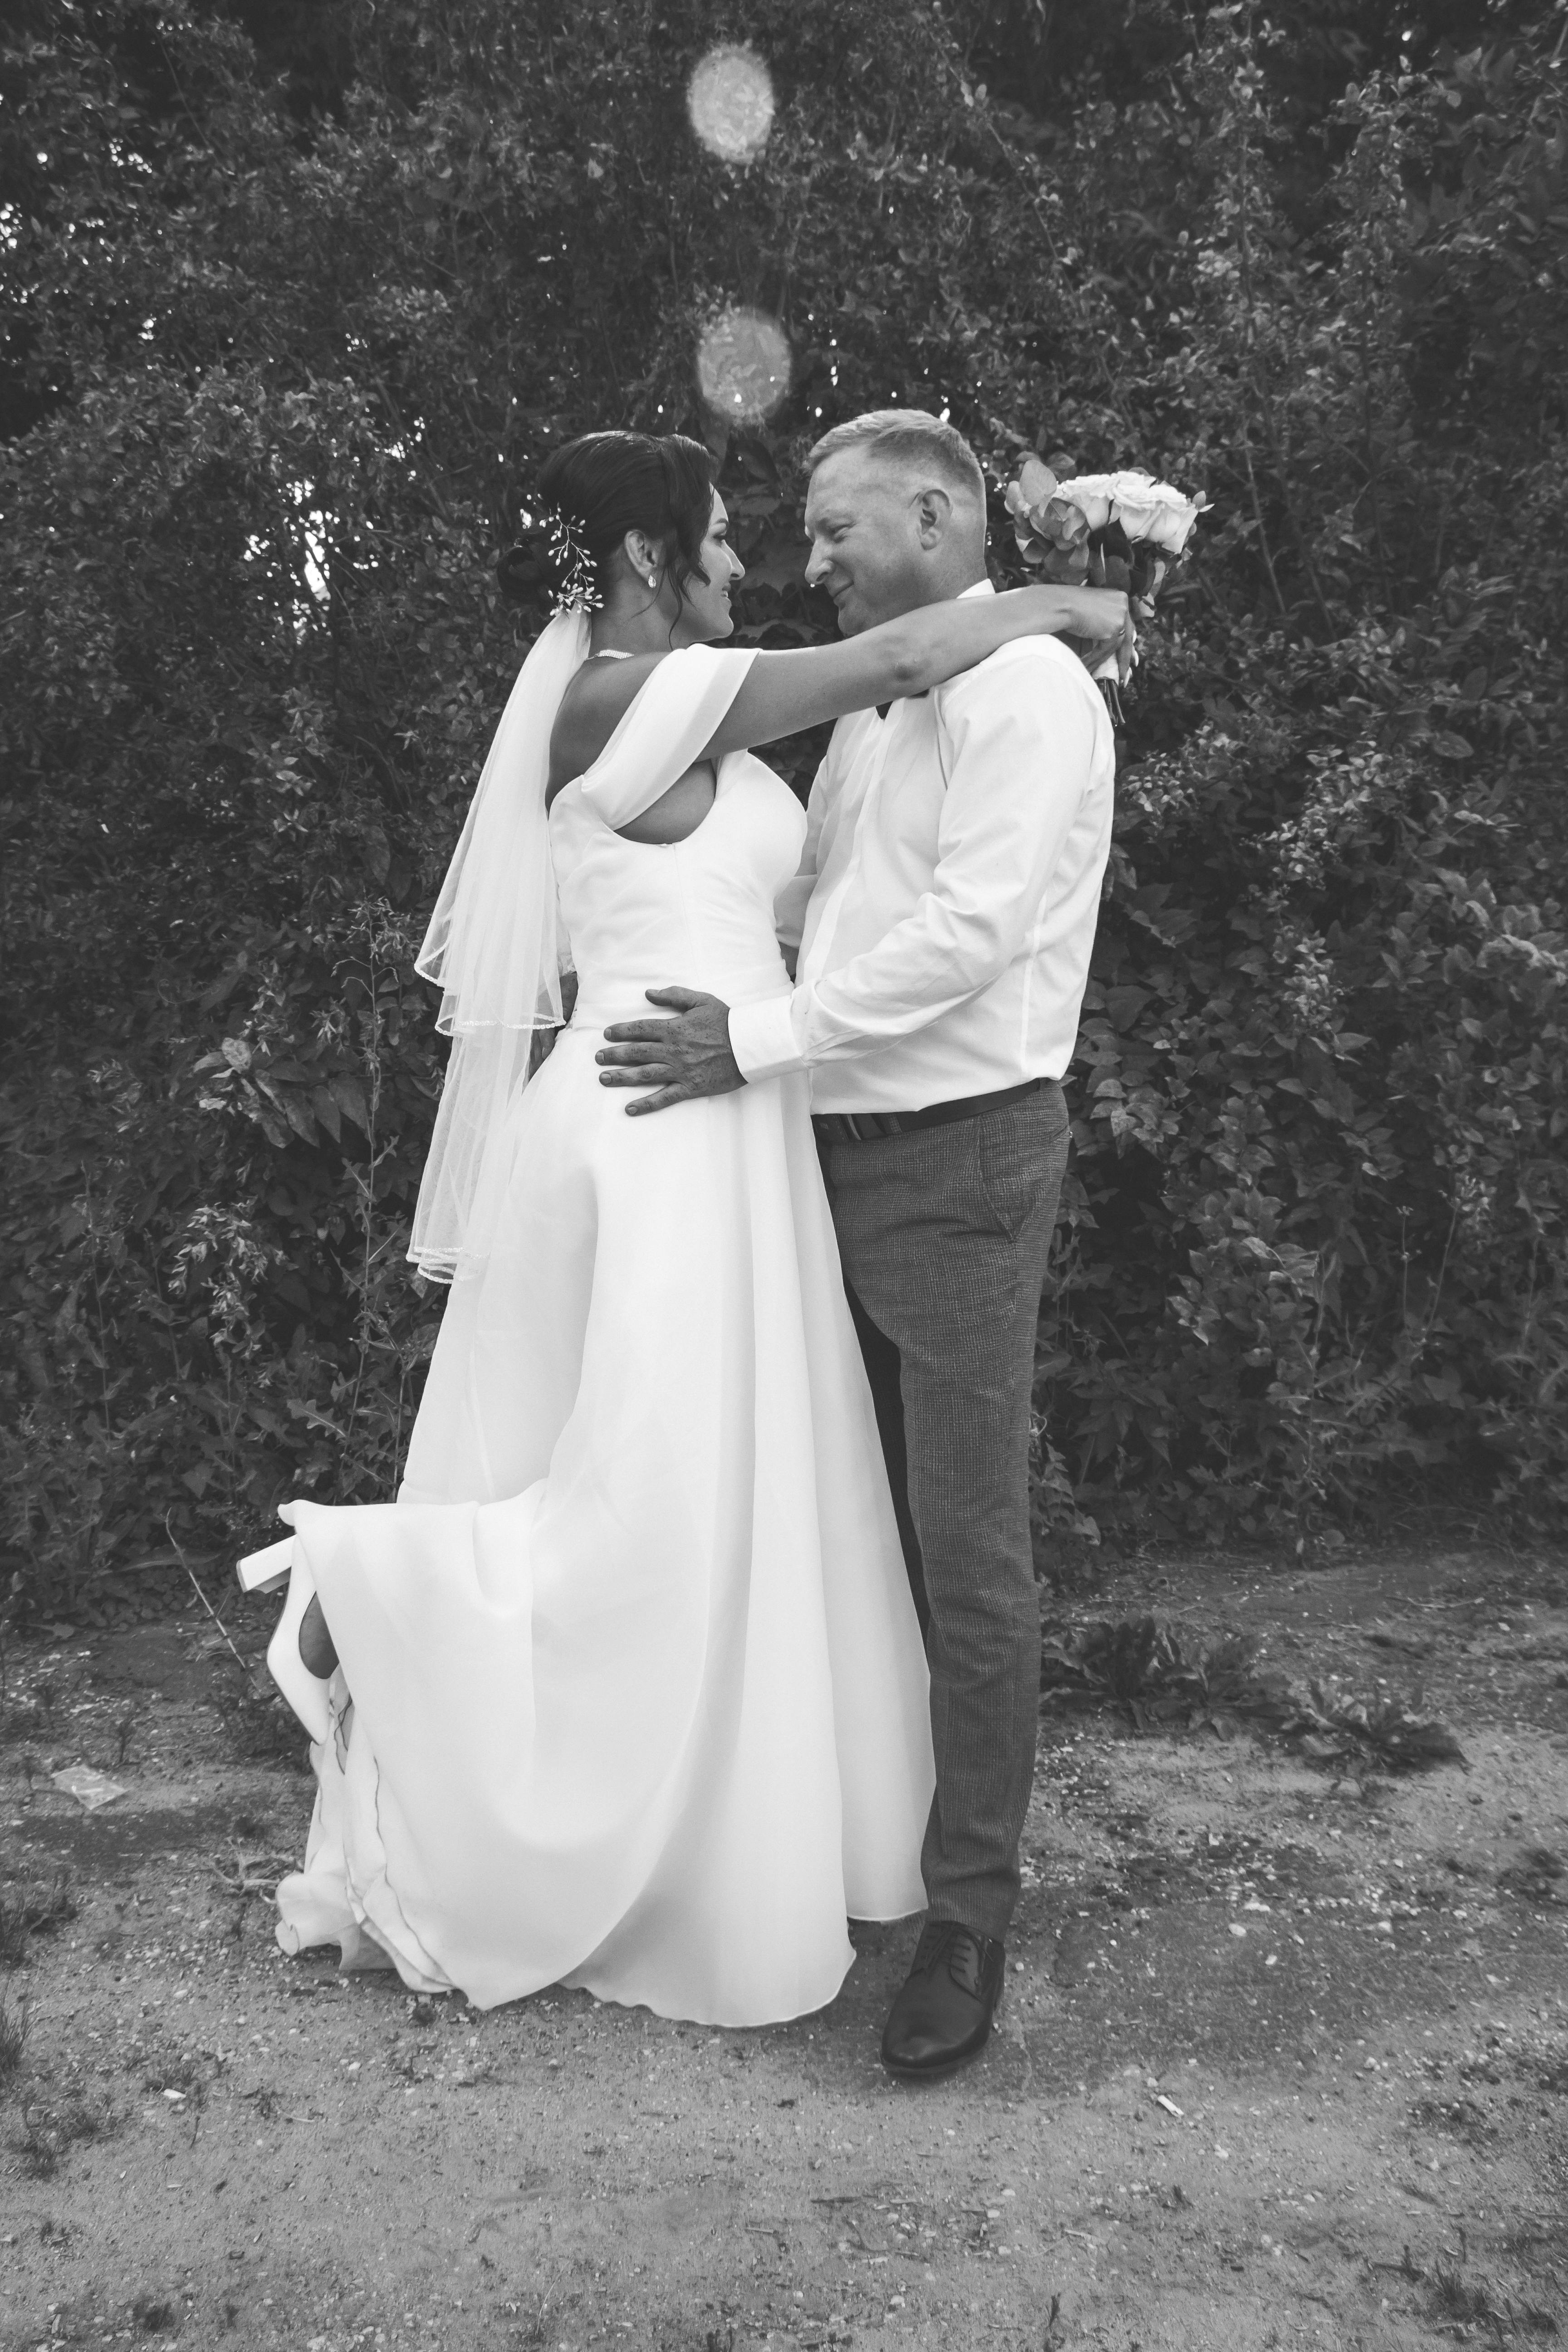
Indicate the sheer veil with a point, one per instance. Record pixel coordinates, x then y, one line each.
495 948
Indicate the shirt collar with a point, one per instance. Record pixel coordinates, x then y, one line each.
977 588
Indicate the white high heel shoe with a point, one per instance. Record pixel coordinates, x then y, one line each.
264 1572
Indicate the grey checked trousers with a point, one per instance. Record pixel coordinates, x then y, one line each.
944 1234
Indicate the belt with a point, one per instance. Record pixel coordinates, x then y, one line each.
871 1126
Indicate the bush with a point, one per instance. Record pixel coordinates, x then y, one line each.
1318 1249
297 300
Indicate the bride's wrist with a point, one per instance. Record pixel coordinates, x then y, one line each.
1051 607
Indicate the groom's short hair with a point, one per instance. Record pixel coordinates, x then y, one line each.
910 436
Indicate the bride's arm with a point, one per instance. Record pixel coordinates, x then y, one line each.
784 692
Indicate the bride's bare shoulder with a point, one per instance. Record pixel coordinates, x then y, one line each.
590 709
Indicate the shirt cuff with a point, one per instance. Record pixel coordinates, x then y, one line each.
762 1038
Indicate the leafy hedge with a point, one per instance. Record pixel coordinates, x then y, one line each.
295 300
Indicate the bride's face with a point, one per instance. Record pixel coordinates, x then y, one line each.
705 609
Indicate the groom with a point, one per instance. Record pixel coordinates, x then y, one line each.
944 913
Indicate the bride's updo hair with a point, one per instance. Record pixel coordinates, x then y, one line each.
606 484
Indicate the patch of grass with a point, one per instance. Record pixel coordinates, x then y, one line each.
45 1908
13 1933
254 1872
49 1906
179 2072
262 1727
1540 1876
34 1910
12 2040
44 1692
49 2132
1453 2296
1164 1683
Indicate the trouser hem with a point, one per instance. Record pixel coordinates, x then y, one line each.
958 1915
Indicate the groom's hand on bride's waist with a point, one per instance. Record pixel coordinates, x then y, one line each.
682 1059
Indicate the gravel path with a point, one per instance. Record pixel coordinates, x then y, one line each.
1283 2059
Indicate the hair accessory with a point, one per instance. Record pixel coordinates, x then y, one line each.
577 592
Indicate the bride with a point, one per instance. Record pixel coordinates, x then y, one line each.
626 1691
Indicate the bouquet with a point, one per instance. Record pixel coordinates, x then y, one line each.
1103 530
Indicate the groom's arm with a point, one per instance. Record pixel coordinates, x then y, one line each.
676 1060
1022 735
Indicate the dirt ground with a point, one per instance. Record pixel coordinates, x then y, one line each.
1283 2057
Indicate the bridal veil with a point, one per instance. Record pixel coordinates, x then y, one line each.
495 948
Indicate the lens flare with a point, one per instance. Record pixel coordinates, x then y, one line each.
729 98
743 365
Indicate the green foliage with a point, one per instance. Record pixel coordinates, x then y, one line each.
1320 1251
1165 1680
296 299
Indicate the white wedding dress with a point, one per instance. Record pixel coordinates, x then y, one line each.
631 1694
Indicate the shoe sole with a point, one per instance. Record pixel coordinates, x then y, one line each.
936 2073
267 1571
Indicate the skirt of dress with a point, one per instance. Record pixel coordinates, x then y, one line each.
631 1693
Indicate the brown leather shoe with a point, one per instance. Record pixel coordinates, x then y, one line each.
942 2016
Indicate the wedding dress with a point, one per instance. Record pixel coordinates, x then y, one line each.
631 1695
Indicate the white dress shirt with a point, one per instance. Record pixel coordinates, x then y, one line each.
946 901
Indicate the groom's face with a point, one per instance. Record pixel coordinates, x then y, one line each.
862 517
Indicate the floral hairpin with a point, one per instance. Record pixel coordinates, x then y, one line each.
577 592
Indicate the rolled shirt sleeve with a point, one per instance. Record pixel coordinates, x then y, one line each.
1018 738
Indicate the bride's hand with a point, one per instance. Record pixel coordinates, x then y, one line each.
1103 615
1090 619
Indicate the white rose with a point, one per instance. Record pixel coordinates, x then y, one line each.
1155 512
1092 495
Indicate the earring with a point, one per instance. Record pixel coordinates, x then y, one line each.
653 580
